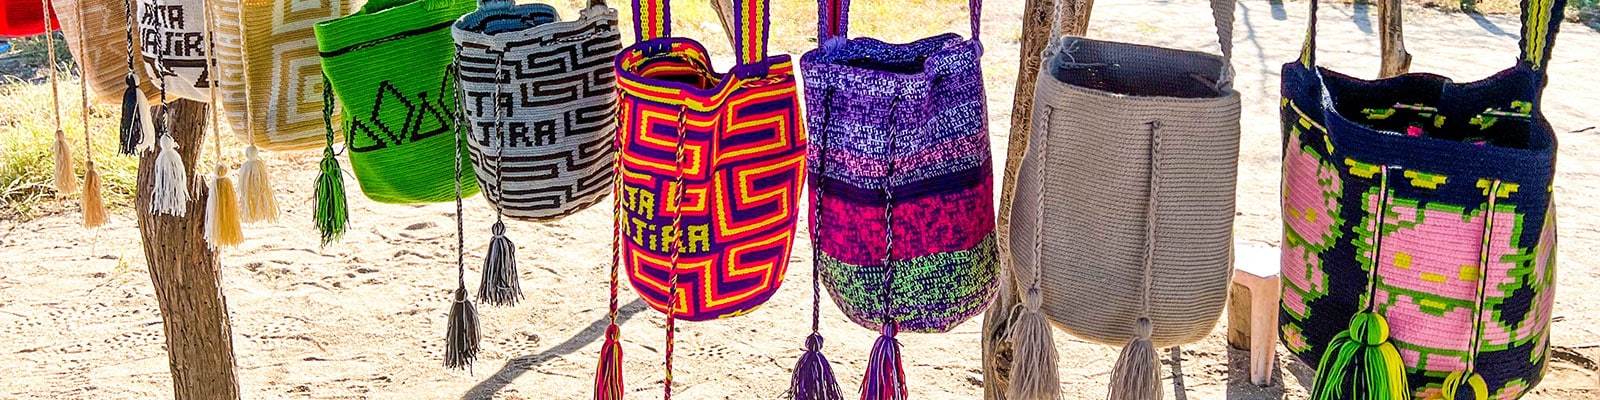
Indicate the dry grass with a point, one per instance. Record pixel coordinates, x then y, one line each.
27 130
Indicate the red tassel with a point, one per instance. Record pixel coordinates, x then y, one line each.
886 378
608 379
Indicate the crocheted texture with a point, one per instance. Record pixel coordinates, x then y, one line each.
1137 218
552 131
100 57
927 98
390 70
1444 280
181 27
745 160
270 70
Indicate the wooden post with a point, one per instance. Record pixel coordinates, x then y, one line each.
1396 60
1037 16
724 9
188 284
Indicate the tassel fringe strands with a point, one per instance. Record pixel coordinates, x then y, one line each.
66 179
886 378
500 285
608 377
171 194
1361 363
332 214
1137 375
256 200
136 126
813 376
222 212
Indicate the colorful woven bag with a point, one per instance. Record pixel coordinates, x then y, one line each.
389 64
1419 230
178 29
902 182
270 70
544 149
19 18
1122 229
901 139
710 172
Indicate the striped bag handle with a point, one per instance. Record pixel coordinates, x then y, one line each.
653 19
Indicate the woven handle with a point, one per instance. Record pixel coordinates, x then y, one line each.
1221 14
653 19
1541 19
833 18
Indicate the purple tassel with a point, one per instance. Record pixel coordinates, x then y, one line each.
886 379
813 375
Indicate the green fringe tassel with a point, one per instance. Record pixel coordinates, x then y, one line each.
1361 364
332 214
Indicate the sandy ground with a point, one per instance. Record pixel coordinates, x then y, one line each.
365 318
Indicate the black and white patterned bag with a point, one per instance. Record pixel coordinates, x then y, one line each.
545 149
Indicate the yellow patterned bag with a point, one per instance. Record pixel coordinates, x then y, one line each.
271 73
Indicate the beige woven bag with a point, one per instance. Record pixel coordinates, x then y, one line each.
271 71
1125 196
104 29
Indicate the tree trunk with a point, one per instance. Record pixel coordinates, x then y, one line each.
188 285
1396 60
724 9
1037 17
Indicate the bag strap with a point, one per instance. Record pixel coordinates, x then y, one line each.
833 18
1541 19
1221 15
653 19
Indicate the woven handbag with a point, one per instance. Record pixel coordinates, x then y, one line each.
1122 230
901 140
176 29
270 70
711 167
544 150
19 18
1417 213
103 63
389 64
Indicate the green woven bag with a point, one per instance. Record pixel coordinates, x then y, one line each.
390 66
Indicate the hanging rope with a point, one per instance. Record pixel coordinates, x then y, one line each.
677 248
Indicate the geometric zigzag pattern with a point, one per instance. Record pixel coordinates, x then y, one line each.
176 30
557 108
743 171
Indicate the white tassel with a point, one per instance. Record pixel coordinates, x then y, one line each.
147 125
257 203
171 194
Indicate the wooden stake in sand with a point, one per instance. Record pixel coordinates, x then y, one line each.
186 274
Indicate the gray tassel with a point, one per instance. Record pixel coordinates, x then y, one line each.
1033 366
500 286
461 340
1137 375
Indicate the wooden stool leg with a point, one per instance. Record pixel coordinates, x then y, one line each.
1264 329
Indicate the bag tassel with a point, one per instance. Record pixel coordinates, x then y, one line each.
608 377
1137 375
461 341
500 285
171 194
94 207
886 378
813 375
1033 367
222 212
331 213
257 202
135 124
1361 363
66 180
